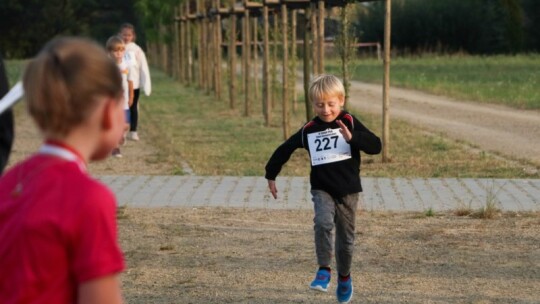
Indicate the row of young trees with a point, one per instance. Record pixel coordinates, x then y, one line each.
472 26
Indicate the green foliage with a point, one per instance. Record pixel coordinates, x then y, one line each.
155 15
531 24
26 25
473 26
15 70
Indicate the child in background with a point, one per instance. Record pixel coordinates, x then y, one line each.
116 49
136 57
333 139
58 234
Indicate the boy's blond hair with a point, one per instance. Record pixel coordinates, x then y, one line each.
114 43
325 85
62 83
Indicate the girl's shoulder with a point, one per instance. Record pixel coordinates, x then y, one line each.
132 46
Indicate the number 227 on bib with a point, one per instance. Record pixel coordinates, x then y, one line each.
327 147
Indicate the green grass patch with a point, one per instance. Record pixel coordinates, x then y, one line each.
15 70
211 137
507 80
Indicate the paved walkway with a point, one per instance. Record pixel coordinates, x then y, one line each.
380 194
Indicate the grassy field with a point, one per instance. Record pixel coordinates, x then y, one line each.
14 70
508 80
217 140
187 125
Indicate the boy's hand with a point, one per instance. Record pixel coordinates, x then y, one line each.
272 187
344 130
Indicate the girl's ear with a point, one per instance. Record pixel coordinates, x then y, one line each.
108 114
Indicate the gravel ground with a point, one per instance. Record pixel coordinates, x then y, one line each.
220 255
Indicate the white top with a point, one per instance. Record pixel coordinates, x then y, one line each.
136 58
15 94
127 73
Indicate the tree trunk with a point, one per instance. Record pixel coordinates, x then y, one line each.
320 38
386 88
307 70
314 36
217 52
294 95
247 84
232 60
266 70
255 51
285 67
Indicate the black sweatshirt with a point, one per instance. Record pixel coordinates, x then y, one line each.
338 178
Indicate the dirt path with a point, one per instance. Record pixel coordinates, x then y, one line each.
503 130
138 157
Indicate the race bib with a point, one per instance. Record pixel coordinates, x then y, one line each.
327 147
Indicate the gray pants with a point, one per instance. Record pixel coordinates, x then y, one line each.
329 214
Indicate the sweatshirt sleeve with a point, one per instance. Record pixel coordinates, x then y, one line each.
281 155
146 83
364 140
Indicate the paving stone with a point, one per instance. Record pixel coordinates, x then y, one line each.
380 194
241 191
222 194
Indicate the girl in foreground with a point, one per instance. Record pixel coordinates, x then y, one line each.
58 234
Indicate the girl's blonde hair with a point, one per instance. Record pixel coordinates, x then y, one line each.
62 83
325 85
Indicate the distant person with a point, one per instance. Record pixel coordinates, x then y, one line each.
136 57
6 121
333 139
116 48
58 233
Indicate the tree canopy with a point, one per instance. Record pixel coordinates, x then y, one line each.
472 26
25 25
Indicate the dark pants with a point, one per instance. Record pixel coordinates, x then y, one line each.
134 111
330 214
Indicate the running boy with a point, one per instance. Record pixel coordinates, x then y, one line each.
333 139
58 234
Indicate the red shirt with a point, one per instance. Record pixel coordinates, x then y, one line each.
57 230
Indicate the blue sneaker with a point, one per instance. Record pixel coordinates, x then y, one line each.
322 280
344 290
